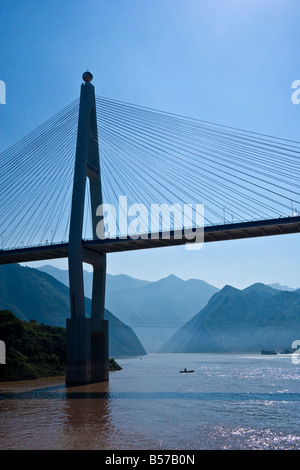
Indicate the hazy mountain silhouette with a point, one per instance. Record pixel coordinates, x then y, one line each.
32 294
281 287
113 282
234 320
154 310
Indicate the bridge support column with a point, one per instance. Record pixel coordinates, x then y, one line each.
87 351
87 338
78 367
99 350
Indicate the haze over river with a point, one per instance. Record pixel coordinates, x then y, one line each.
228 402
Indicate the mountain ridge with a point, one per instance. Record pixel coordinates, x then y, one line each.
155 309
43 298
257 317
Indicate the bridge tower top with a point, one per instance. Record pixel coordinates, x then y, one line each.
87 77
87 165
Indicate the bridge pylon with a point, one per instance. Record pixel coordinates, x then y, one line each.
87 338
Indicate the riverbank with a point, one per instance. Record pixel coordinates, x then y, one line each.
112 366
33 350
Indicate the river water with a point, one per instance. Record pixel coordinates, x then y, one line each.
228 402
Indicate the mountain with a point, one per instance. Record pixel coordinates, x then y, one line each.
248 320
154 310
261 291
31 294
62 275
281 287
113 282
122 281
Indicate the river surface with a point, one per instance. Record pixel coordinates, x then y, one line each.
228 402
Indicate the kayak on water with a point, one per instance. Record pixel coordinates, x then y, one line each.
185 371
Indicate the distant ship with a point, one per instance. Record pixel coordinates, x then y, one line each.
269 352
288 351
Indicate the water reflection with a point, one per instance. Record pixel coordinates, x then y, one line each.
55 416
87 421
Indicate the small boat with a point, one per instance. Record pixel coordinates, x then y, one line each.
269 353
185 371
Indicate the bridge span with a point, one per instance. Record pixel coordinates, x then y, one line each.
235 231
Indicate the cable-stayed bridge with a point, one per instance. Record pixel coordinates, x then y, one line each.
248 184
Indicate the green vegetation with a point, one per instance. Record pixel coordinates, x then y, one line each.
113 365
33 350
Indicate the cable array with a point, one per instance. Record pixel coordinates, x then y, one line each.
151 157
36 176
161 157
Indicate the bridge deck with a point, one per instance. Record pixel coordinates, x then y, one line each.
253 229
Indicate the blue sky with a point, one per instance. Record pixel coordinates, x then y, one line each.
226 61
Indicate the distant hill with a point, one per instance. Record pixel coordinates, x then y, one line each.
281 287
248 320
31 294
154 310
157 310
113 282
